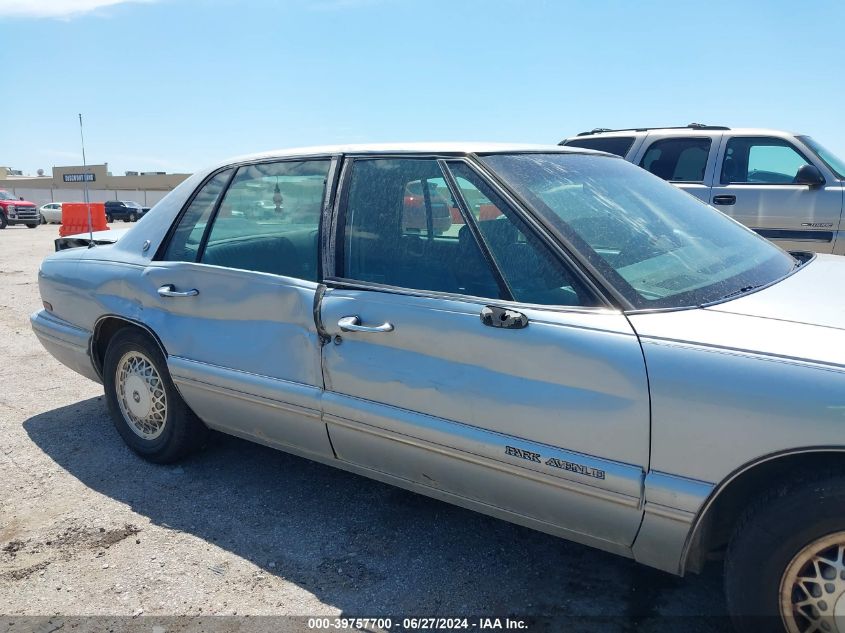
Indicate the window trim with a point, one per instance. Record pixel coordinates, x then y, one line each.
724 155
606 297
664 139
571 143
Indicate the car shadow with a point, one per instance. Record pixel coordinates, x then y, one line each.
369 548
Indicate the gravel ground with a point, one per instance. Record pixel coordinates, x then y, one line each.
88 528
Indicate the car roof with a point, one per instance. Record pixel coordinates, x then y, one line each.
457 148
684 131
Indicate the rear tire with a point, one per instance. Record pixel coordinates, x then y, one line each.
144 404
785 565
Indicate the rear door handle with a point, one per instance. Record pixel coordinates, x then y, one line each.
169 290
353 324
493 316
724 199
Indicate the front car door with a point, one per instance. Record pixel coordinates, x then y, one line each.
755 185
231 294
468 361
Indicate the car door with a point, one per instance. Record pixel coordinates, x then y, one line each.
467 361
685 161
231 296
755 185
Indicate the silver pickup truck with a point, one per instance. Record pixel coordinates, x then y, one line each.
785 186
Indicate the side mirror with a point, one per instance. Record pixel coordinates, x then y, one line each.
809 175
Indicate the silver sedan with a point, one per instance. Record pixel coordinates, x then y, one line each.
550 336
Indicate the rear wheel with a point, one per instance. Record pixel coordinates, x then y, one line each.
785 566
145 406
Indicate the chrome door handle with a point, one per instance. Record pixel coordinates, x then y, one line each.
169 290
353 324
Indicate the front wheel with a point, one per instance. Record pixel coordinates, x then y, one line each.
133 217
31 226
3 221
785 566
144 404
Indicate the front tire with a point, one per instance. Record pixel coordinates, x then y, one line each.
3 221
144 404
31 226
785 565
133 217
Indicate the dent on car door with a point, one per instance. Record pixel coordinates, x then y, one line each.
757 184
232 299
447 374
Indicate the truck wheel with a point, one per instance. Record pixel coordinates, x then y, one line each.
109 219
785 565
144 404
133 217
31 226
3 221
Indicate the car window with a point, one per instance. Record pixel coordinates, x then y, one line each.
618 145
760 160
185 240
398 230
269 219
533 274
658 246
678 159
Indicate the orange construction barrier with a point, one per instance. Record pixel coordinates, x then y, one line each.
75 218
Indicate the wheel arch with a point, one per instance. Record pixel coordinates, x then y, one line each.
718 516
104 330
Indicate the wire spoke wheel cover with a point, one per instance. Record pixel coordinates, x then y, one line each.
141 395
812 590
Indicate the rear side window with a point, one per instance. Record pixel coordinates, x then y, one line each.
185 241
618 145
269 218
678 159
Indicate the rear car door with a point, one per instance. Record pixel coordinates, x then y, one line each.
686 161
756 186
232 301
469 362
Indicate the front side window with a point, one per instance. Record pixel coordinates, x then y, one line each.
533 274
398 231
268 220
760 160
678 159
659 246
185 240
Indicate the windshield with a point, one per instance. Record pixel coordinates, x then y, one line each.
836 164
129 203
5 195
659 246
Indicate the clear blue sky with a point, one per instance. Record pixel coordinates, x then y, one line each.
178 84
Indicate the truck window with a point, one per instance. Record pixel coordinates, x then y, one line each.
678 159
618 145
761 160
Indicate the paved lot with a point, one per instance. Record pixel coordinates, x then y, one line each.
86 527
